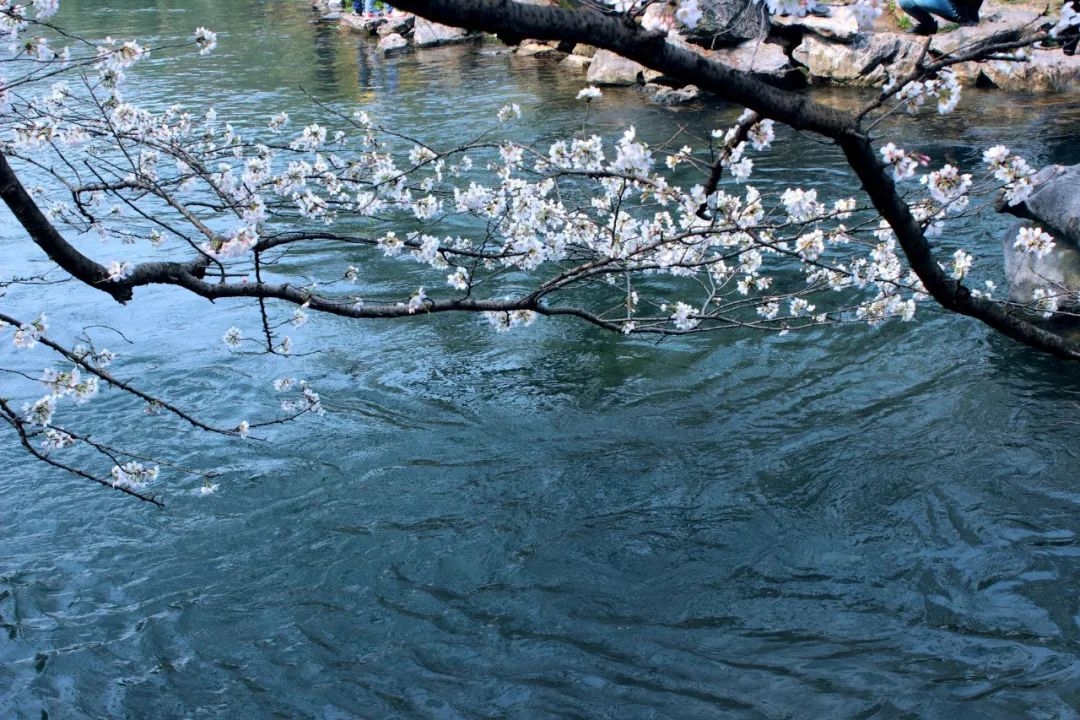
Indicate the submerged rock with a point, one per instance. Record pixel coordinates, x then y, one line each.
673 96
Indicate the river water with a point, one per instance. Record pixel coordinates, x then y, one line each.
553 523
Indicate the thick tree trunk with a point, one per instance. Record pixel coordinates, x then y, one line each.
43 233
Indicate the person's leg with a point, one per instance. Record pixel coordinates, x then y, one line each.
968 11
924 23
369 7
945 9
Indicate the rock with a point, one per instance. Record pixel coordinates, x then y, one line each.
675 96
400 24
1045 71
866 62
1054 203
607 68
359 24
765 61
576 63
1055 207
428 34
1003 26
827 50
840 26
726 23
389 44
531 48
1058 271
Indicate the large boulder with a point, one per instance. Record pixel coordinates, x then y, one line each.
729 22
1057 272
765 61
1054 203
867 61
996 29
839 26
607 68
1055 207
1042 72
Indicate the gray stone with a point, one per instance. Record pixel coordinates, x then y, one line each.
358 24
531 48
675 96
1054 206
576 63
607 68
1005 25
400 24
729 22
865 62
840 26
392 43
1044 71
1054 203
766 61
1057 272
724 23
429 34
756 57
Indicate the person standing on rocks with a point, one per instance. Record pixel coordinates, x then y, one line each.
962 12
368 8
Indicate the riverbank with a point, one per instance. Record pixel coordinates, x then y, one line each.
797 52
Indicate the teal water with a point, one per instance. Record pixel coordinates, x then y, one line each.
553 523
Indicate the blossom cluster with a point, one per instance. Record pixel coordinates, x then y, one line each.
945 88
1011 170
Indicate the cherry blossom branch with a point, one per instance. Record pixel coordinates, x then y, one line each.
8 415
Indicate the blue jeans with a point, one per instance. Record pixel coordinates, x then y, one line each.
957 11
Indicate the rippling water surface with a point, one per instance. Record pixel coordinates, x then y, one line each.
554 523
